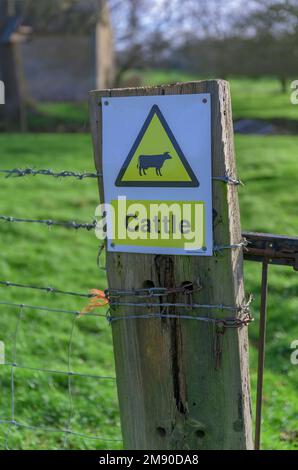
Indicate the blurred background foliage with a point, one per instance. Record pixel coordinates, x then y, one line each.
51 54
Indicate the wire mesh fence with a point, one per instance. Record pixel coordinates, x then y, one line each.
57 380
12 420
66 396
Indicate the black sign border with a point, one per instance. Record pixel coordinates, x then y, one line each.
194 181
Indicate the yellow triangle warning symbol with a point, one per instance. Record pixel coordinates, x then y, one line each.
156 158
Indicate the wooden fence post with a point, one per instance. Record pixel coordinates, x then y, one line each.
170 393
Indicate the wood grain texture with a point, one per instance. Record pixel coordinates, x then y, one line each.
170 395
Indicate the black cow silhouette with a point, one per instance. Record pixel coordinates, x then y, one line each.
152 161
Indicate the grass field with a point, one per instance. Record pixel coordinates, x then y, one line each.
67 259
252 99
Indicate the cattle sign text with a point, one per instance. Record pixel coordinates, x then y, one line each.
162 143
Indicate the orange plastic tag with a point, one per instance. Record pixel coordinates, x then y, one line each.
99 299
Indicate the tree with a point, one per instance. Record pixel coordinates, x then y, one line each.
13 113
144 32
104 47
251 39
272 26
61 15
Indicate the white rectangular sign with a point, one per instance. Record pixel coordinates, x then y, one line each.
157 174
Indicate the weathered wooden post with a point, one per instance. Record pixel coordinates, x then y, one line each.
183 383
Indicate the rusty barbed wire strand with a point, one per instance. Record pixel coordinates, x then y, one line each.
49 223
50 290
147 292
112 295
228 322
177 304
243 310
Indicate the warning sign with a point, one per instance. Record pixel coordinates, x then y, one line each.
156 158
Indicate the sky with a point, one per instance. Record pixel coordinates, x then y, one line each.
156 14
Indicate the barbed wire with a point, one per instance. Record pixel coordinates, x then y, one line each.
47 309
19 172
242 244
177 305
75 225
243 319
243 311
228 322
51 290
113 295
228 180
49 223
148 292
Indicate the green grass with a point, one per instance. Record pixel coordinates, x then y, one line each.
268 166
251 99
261 99
60 116
77 112
67 259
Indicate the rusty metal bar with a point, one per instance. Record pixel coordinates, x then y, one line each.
261 353
268 249
276 249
